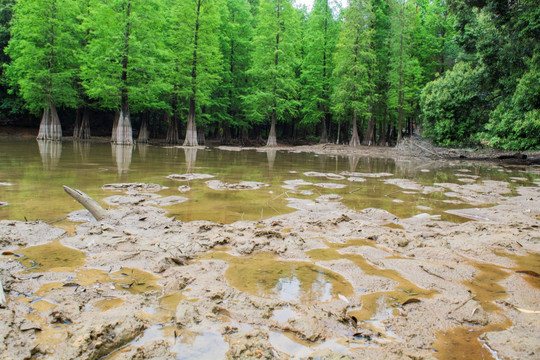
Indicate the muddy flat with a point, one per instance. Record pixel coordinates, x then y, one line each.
329 279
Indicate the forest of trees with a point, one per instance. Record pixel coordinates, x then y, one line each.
461 72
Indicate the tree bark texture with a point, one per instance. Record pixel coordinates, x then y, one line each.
50 128
172 130
84 129
144 135
272 139
90 204
124 132
355 139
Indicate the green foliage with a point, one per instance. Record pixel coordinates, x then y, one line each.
236 34
109 43
499 41
275 62
515 123
318 64
452 106
42 49
196 57
355 61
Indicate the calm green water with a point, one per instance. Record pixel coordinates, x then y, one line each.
37 171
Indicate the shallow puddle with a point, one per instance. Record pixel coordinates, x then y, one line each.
464 343
485 285
52 256
404 292
264 275
528 266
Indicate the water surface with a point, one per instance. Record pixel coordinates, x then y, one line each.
32 174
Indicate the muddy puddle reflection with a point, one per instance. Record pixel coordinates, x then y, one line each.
264 275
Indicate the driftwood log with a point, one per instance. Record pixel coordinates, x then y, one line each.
3 301
90 204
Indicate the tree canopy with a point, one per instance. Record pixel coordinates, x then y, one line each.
456 72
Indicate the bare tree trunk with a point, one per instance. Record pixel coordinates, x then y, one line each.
114 135
370 132
77 125
200 136
355 139
50 128
144 135
124 133
172 130
324 132
191 131
338 132
244 136
84 130
272 140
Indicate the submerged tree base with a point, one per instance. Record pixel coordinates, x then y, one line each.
50 128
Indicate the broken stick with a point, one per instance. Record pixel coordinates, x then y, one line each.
3 301
90 204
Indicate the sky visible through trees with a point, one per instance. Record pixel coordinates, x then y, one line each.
267 71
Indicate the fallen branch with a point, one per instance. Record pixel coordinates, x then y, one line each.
3 301
90 204
423 148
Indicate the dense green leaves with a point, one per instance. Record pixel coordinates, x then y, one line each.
467 69
42 48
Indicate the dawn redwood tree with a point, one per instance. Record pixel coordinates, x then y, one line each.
196 62
354 58
125 58
275 60
43 64
235 42
320 41
404 67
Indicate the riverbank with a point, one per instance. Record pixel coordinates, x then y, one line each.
322 282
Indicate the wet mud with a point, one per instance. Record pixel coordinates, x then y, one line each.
326 281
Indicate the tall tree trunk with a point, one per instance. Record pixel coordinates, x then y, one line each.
124 132
200 136
50 128
355 139
338 133
324 132
244 137
77 125
400 90
115 127
84 130
144 134
272 140
172 131
191 131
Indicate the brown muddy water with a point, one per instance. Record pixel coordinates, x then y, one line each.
32 174
31 179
